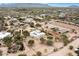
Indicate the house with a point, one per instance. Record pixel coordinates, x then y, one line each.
13 21
4 34
37 17
37 34
7 17
28 20
62 15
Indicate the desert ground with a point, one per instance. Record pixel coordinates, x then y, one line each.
29 32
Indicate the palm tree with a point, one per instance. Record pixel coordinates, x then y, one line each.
31 42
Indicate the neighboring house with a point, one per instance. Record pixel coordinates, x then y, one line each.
13 21
37 34
4 34
37 17
43 15
7 17
28 20
62 15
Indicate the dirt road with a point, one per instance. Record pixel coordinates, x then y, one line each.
65 25
65 50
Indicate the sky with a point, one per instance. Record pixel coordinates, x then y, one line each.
62 4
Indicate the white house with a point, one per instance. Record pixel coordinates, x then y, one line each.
28 20
13 20
62 15
4 34
37 34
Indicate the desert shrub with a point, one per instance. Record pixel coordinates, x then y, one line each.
38 25
21 48
31 42
26 33
38 53
49 37
21 19
65 39
71 47
55 49
32 24
49 42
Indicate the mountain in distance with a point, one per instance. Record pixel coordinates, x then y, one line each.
74 6
24 5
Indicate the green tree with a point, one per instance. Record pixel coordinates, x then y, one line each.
49 37
26 33
18 38
7 41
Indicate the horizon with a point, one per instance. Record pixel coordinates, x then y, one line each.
54 4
